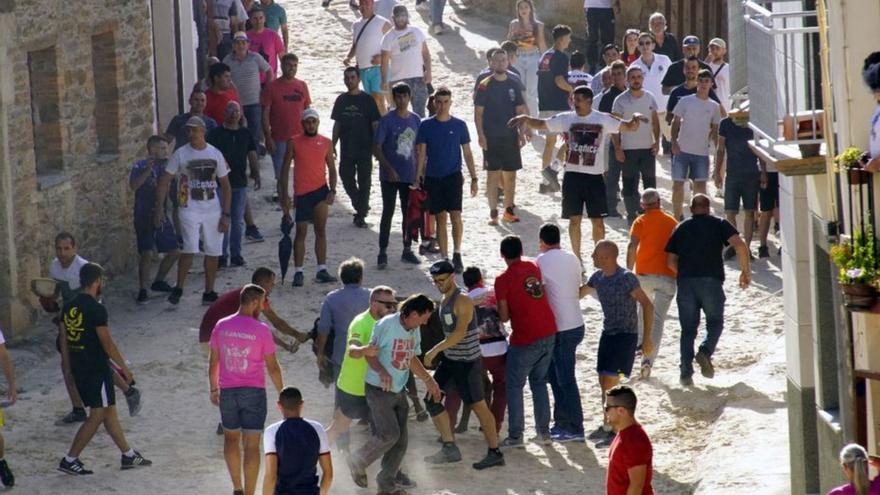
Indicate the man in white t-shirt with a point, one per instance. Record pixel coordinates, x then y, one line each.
199 168
366 47
636 150
587 133
695 124
405 58
720 70
561 272
654 67
66 265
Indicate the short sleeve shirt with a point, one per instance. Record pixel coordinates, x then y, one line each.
197 172
81 318
215 105
675 75
628 104
697 115
499 100
561 272
298 443
285 101
246 75
370 42
698 242
309 163
397 346
443 140
653 229
741 160
235 144
267 44
531 317
177 128
145 195
355 115
405 48
242 344
67 277
587 140
397 137
654 75
338 310
631 447
619 307
681 91
553 63
353 370
276 17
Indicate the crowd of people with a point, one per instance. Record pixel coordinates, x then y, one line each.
614 110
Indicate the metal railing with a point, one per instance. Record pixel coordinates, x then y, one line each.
782 46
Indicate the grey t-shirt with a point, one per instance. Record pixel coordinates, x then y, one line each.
696 117
619 307
223 9
246 75
626 105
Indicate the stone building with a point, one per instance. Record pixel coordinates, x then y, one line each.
79 92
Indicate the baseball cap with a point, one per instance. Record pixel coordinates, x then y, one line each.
310 113
240 36
690 40
195 121
442 267
718 42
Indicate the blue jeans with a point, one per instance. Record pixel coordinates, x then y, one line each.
278 160
695 294
530 361
232 239
419 92
254 115
567 411
437 7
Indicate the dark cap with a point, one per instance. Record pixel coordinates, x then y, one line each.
690 41
442 267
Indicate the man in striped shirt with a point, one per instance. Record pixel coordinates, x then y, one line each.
461 366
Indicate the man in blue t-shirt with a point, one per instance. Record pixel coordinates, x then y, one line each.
741 176
395 148
441 141
177 127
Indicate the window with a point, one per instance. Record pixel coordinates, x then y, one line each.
105 71
45 114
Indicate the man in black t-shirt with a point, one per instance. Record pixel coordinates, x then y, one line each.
240 150
687 88
694 253
553 91
356 118
89 348
690 47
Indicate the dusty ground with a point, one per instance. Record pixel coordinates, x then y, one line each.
727 435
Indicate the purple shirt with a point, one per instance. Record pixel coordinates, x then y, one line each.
145 196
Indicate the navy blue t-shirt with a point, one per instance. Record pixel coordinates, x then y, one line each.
298 443
397 137
443 140
741 160
550 97
499 100
177 128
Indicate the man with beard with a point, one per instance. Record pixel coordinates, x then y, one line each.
284 101
405 58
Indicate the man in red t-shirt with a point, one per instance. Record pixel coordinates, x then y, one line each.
220 93
284 101
522 300
630 459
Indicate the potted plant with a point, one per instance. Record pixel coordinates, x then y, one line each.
857 261
852 160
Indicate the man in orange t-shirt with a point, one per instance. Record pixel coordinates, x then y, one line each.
310 154
647 253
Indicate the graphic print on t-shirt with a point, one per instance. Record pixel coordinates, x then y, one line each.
199 181
296 96
235 359
402 351
73 323
405 142
534 287
407 41
544 64
583 144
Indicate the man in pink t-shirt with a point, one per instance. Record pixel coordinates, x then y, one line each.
265 42
241 348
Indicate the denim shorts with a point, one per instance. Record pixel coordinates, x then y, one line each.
687 166
243 409
371 79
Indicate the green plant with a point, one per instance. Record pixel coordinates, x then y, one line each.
857 259
849 158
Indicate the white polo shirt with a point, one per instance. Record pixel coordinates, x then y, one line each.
654 78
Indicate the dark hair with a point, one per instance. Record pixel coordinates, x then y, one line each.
549 234
351 271
578 60
65 236
289 56
560 30
511 247
692 59
618 65
250 293
261 275
491 52
471 276
625 396
443 91
290 398
871 71
705 74
89 274
416 303
610 46
155 139
217 70
509 47
584 91
256 8
352 68
401 88
196 89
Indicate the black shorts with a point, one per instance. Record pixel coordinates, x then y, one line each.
617 351
583 189
466 376
503 154
305 204
444 193
352 406
770 195
741 189
95 388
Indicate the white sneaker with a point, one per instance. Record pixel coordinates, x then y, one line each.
645 373
437 29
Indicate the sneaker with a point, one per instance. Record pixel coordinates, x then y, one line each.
74 416
763 252
606 441
645 372
358 475
324 277
555 430
175 295
161 286
437 29
542 438
133 400
598 433
705 362
237 261
410 257
509 216
729 253
142 297
74 467
510 442
422 416
360 222
252 234
222 262
403 481
6 476
493 458
566 436
135 461
299 278
552 178
209 297
448 453
686 380
382 262
456 262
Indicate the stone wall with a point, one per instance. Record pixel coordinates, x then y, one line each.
101 84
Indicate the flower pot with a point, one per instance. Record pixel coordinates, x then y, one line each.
859 296
858 176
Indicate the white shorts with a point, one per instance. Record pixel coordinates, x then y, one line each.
192 222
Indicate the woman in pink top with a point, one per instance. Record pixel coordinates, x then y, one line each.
265 42
854 461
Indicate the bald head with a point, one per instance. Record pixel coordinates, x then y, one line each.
607 248
700 204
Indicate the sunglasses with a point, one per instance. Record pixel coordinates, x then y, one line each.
646 43
387 304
